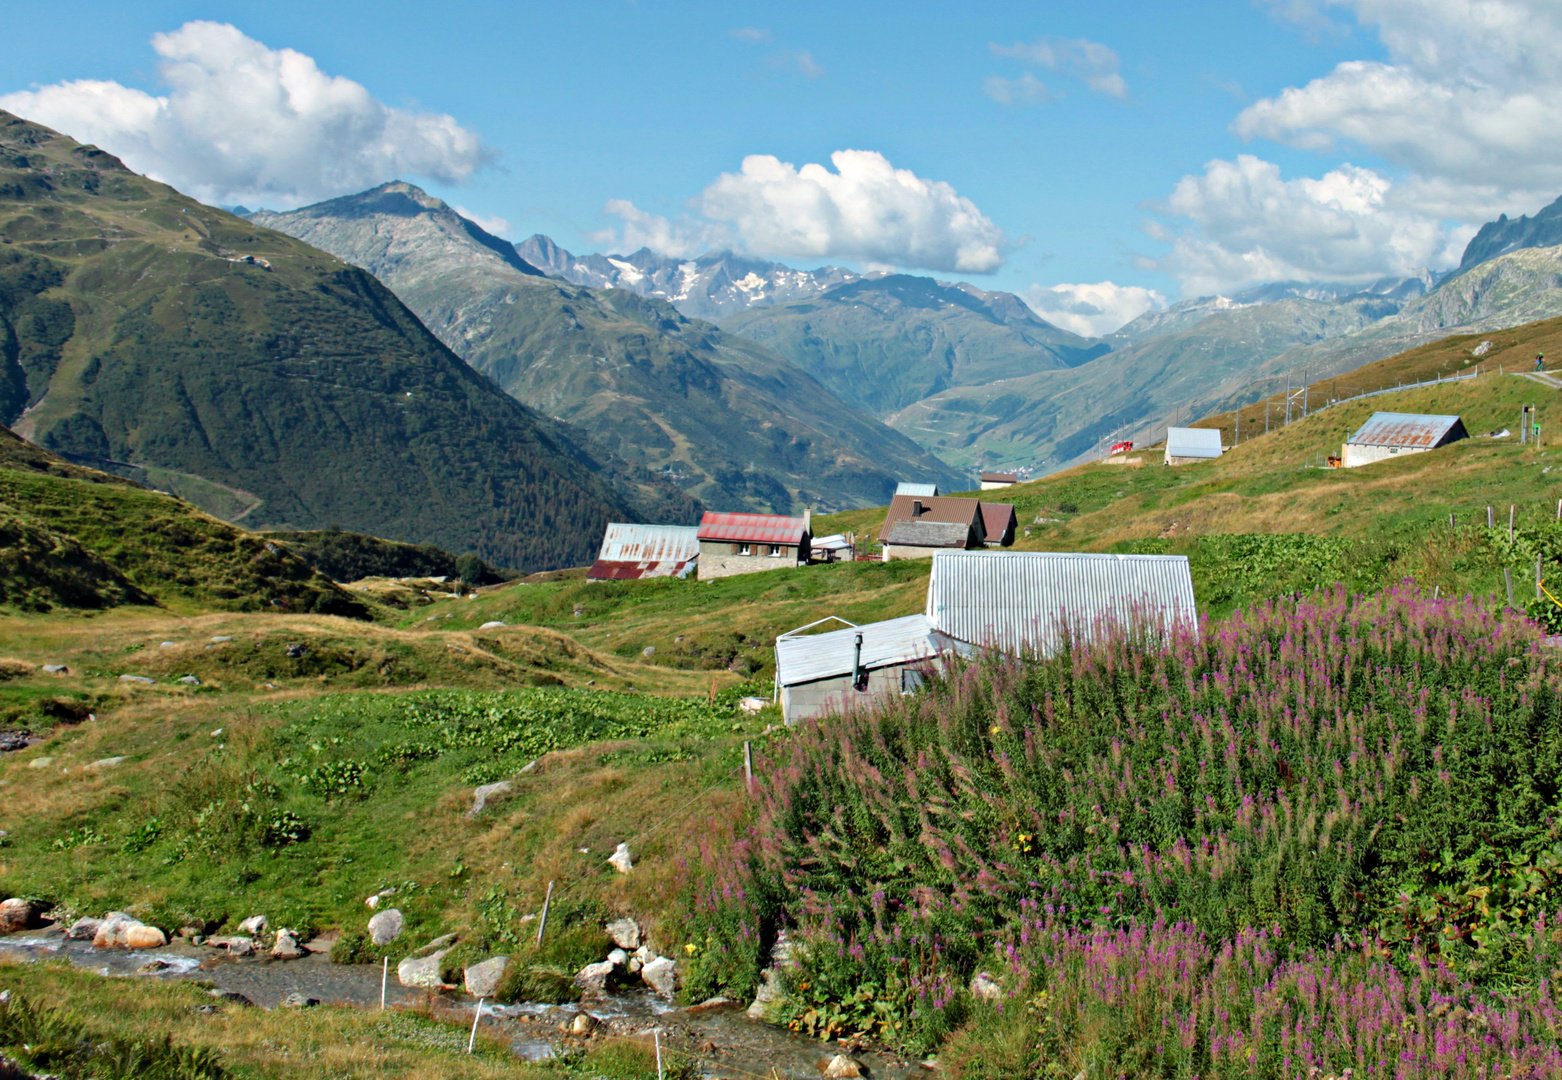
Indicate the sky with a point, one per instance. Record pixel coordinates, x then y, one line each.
1097 159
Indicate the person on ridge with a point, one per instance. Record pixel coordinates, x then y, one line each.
1540 361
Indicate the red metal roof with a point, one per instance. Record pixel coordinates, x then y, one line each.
641 551
998 521
753 528
614 570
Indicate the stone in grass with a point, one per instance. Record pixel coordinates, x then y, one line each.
106 763
139 680
17 915
40 763
287 946
121 931
618 958
422 972
482 980
254 926
661 975
594 977
620 859
232 997
56 669
297 1000
190 680
481 796
624 932
985 988
385 926
494 625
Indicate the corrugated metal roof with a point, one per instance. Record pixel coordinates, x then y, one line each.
934 508
924 490
752 528
1000 477
825 656
1406 429
1014 600
940 534
645 551
1193 442
833 542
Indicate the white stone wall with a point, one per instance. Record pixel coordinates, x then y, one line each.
717 560
1354 456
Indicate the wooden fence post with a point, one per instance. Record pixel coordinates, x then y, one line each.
542 923
748 765
1488 517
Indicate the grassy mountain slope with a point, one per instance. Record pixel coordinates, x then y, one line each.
1053 418
883 343
736 424
292 388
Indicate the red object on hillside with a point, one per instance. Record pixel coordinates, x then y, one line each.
1122 447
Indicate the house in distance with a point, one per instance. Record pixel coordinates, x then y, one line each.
921 490
1185 445
630 552
751 543
915 528
1388 434
992 481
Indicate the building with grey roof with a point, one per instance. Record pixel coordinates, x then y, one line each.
1185 445
1388 434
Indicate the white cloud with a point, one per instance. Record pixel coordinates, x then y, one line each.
1471 93
1091 310
246 123
865 211
489 223
1247 225
801 62
750 33
1026 90
1096 64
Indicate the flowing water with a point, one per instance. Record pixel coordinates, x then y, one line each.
721 1038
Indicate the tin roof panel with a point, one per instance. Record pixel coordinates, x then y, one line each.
828 655
1415 430
752 528
1193 442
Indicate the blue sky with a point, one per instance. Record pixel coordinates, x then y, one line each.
1094 158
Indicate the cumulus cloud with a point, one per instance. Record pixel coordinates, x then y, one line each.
1092 310
1026 90
489 223
865 211
242 122
1096 64
1241 223
1471 92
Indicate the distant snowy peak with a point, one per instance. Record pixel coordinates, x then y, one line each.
710 286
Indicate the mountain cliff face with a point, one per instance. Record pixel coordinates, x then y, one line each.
734 423
884 342
147 334
712 286
1503 236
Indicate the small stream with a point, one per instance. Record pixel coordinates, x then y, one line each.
722 1038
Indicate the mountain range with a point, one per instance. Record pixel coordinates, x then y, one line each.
144 333
736 424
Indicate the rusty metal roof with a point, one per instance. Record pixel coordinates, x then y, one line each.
1416 430
753 528
998 520
645 551
1021 600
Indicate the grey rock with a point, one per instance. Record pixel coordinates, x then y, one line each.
190 680
584 1024
139 680
40 763
494 625
220 638
153 967
296 1000
287 946
254 926
620 859
84 929
481 796
17 915
594 976
841 1067
56 669
649 650
482 980
985 988
443 941
661 975
618 958
624 932
106 763
422 972
385 927
13 740
236 946
168 645
297 650
120 931
711 1005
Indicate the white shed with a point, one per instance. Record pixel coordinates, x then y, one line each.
1387 434
1187 444
814 672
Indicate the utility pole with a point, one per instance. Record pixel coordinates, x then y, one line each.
1288 401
